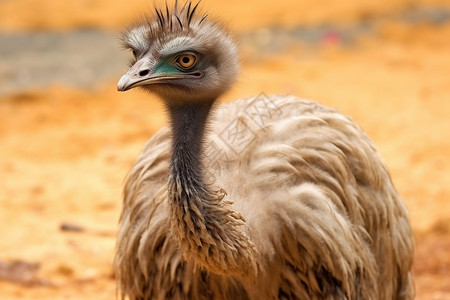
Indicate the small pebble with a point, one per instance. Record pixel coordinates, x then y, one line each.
65 226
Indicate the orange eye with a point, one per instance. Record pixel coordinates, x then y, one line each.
186 61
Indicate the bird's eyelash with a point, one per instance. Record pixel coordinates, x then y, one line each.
188 51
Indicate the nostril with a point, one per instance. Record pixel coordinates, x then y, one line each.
144 72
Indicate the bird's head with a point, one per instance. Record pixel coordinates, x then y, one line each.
180 57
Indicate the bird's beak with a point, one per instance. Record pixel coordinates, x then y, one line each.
139 74
142 73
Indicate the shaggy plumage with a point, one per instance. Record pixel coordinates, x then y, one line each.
272 197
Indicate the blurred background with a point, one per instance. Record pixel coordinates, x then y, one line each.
67 138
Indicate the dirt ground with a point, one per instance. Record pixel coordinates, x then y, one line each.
64 151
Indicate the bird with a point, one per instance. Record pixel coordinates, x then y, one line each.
267 197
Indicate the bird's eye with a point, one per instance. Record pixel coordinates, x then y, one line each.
186 61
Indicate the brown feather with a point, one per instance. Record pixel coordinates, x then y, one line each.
317 201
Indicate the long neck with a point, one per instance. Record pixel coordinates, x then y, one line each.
209 231
188 126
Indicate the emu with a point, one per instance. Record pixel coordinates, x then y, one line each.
273 197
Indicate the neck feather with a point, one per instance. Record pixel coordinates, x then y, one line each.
209 231
188 123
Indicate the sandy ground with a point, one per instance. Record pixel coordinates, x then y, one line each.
64 151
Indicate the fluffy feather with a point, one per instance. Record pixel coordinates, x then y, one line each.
318 202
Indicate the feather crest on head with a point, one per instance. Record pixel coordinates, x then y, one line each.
163 23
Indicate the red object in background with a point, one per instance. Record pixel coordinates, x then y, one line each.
331 38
